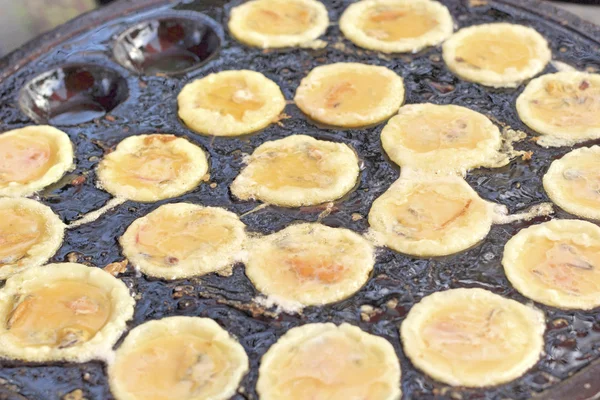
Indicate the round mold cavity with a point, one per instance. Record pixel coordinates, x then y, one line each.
73 94
171 44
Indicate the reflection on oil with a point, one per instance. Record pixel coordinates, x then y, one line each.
169 45
73 94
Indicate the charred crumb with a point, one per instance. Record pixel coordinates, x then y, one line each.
253 309
443 88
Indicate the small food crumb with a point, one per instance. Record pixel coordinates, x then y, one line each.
356 217
367 312
281 117
73 257
107 149
441 391
477 3
78 181
110 118
116 268
584 85
456 396
213 185
76 394
393 303
180 291
443 88
527 155
560 323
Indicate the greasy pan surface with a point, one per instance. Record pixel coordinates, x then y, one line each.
398 282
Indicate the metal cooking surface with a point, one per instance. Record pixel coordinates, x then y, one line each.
398 282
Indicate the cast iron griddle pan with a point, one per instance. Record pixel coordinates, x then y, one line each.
141 103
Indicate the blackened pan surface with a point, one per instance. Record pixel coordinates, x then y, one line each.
398 282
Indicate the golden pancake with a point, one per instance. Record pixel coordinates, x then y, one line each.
230 103
182 240
30 233
441 138
573 182
149 168
32 158
498 55
473 337
298 171
396 26
62 312
350 94
563 107
177 358
329 362
278 23
310 264
556 263
430 216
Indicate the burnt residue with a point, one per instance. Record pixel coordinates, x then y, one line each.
398 282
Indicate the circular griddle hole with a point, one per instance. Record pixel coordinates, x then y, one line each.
168 45
73 94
